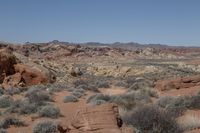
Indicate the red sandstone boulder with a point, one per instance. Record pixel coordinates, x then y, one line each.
7 61
24 76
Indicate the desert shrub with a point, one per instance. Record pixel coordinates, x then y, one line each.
152 120
129 80
45 127
93 88
81 90
5 101
150 92
122 84
49 111
132 99
126 101
165 101
3 131
9 121
85 85
185 102
99 102
23 107
190 122
1 91
57 87
13 91
80 82
70 98
38 96
102 84
92 99
78 93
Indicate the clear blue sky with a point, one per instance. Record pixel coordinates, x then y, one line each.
174 22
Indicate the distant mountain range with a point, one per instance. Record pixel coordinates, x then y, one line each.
129 45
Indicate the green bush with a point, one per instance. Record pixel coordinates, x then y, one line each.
49 111
45 127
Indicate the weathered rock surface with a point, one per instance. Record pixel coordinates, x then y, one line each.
98 119
7 61
178 83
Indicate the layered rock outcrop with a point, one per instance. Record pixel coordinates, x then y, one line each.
178 83
98 119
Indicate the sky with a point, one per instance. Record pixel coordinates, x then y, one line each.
172 22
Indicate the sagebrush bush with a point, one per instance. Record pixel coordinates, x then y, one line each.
70 98
1 91
165 101
9 121
57 87
12 91
126 101
151 119
45 127
77 94
23 107
5 101
183 102
38 96
49 111
102 84
122 84
99 96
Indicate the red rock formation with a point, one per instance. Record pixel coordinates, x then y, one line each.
15 75
178 83
7 61
98 119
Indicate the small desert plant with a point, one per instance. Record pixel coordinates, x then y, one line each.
102 84
70 98
49 111
78 93
1 91
152 120
56 87
23 107
8 121
126 101
185 102
38 96
99 97
13 91
190 122
165 101
45 127
122 84
5 101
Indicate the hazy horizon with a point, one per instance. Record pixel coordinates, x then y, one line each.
170 22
